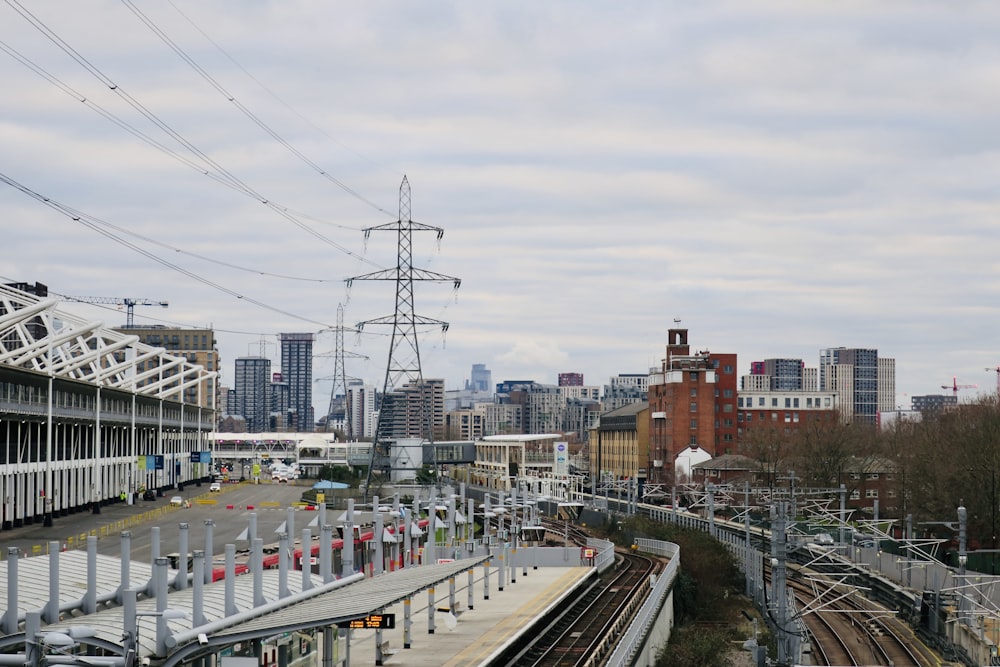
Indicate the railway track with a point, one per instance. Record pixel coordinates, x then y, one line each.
581 629
848 629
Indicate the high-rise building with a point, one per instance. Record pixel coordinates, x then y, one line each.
933 403
786 374
481 379
692 405
887 385
478 389
252 392
501 418
855 374
415 410
571 379
625 389
196 345
281 418
542 406
361 409
465 424
780 374
297 371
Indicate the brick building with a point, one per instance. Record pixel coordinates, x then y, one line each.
692 402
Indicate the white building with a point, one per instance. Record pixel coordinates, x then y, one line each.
502 460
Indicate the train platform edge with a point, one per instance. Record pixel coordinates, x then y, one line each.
472 636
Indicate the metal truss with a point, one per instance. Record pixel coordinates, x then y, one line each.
36 336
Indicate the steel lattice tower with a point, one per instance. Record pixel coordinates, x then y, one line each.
340 374
403 365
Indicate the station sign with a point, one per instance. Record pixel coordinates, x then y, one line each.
373 622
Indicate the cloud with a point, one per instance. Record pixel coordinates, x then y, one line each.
783 176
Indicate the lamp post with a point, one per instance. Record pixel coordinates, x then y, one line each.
131 618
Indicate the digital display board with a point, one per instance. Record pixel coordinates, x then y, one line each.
373 622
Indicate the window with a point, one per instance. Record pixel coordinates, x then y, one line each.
795 417
788 402
693 375
809 402
855 495
760 401
694 423
694 407
728 370
788 418
727 393
871 493
795 402
871 475
728 407
693 440
694 392
774 401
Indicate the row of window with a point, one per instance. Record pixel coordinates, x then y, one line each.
790 402
790 417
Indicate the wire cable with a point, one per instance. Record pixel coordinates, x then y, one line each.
220 173
95 225
243 109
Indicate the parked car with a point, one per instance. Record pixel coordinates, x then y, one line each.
215 487
149 494
176 501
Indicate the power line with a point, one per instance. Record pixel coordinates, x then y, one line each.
214 83
215 170
96 225
271 93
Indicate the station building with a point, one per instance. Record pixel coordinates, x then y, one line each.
89 413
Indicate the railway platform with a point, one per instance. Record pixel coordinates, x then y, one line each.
472 636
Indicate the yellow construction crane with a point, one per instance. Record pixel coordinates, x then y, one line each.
127 302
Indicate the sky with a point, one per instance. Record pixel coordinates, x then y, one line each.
778 176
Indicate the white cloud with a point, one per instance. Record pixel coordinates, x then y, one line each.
784 176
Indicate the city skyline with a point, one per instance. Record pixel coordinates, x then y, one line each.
780 177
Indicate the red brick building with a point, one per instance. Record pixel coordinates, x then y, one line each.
692 401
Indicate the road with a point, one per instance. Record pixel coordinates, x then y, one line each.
270 502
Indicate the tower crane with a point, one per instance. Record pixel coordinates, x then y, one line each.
955 386
997 369
129 304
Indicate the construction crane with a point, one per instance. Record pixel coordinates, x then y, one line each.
955 386
997 369
129 304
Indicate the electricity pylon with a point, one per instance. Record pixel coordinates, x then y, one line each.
403 366
340 376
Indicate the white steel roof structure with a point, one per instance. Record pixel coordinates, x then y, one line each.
36 336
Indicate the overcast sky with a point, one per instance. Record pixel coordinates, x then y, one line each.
781 176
